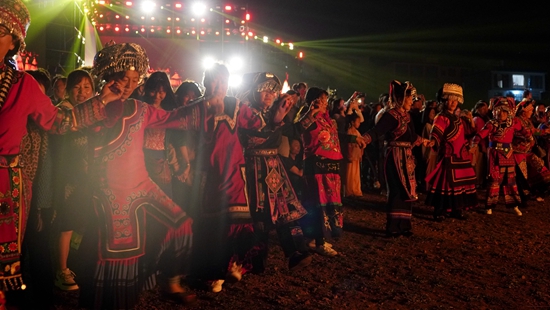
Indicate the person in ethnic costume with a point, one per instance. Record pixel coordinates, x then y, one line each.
451 185
224 246
21 100
396 129
544 141
322 157
141 232
502 175
532 175
273 200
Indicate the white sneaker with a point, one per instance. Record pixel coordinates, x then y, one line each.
235 273
312 245
518 212
325 250
216 286
64 280
540 199
488 211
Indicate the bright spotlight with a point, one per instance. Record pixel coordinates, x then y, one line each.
208 63
266 39
198 8
236 64
148 6
235 80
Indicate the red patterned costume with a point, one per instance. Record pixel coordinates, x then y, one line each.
532 175
22 100
451 185
500 154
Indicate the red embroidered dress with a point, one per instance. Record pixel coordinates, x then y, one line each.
501 161
127 195
322 155
452 183
21 99
223 228
396 129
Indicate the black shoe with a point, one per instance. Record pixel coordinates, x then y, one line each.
298 261
439 218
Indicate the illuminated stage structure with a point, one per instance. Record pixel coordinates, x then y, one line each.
180 36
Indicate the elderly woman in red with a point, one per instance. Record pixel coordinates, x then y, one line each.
451 185
321 169
21 101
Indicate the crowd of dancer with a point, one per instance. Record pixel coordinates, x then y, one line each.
145 185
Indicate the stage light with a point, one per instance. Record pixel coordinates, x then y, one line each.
247 16
250 34
142 29
228 33
202 32
117 16
192 19
178 31
228 8
101 28
198 8
152 30
167 30
301 55
193 32
236 64
148 6
290 46
227 21
102 2
129 3
203 20
143 17
278 41
208 63
152 18
177 19
217 33
127 17
117 29
235 80
100 15
127 29
266 39
178 5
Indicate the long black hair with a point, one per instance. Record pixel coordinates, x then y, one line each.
159 80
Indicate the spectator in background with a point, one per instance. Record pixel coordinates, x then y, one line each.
59 83
43 78
429 156
185 144
481 117
300 88
294 164
160 157
338 113
353 160
289 131
72 154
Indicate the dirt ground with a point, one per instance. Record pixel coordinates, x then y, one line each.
498 261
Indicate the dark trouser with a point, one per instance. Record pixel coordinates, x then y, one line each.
523 187
290 236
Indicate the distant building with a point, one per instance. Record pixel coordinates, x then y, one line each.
515 82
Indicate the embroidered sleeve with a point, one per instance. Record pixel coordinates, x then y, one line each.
183 118
81 116
484 132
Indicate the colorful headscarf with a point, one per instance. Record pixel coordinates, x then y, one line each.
15 16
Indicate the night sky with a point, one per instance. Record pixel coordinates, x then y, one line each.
511 32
